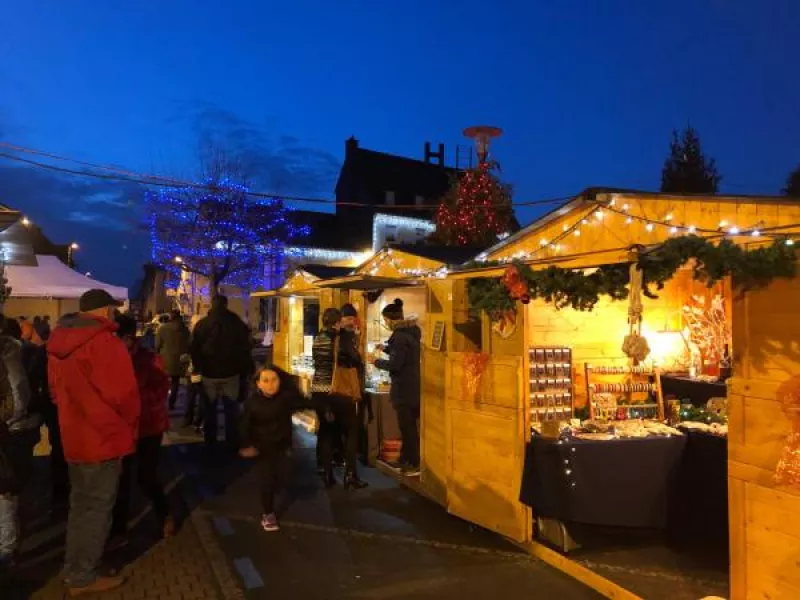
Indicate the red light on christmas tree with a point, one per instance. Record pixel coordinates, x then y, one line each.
477 208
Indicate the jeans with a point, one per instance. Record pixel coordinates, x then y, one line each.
92 498
145 472
9 526
195 405
228 391
345 422
407 420
174 386
59 475
273 470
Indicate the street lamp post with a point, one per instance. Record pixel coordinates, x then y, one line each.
72 248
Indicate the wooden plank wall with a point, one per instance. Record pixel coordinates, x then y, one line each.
597 336
486 447
764 524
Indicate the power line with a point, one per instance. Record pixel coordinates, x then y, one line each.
128 176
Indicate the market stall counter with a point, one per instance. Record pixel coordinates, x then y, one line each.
617 483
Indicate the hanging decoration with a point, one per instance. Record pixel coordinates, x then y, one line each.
787 471
706 327
748 268
635 345
475 364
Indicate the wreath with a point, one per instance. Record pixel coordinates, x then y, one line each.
748 269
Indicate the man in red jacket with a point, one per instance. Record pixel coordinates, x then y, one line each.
93 385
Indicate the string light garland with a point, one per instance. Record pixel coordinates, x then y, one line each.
125 175
748 269
221 234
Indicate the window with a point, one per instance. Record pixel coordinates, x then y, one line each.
390 198
419 200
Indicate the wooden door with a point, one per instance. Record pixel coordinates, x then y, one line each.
486 446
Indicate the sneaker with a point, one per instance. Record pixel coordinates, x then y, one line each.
269 522
101 584
410 471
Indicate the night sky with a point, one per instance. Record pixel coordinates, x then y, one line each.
586 91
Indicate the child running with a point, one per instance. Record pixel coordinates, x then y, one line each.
267 433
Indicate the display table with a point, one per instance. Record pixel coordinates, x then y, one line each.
617 483
384 425
698 392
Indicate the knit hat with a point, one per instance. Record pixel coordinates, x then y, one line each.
393 311
348 310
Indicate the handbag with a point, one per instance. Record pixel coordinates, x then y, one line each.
346 381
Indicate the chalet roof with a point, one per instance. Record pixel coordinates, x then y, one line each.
449 255
590 194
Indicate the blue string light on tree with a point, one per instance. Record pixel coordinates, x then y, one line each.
221 233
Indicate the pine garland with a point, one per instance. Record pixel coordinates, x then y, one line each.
748 269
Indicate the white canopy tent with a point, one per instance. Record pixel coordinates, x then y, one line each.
53 279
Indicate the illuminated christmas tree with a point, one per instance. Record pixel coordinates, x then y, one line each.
476 211
219 231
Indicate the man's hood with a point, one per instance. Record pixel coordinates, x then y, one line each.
74 331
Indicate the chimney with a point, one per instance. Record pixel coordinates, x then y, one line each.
350 146
429 154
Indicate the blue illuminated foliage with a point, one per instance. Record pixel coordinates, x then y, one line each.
217 230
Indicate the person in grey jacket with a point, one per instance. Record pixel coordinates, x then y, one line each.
172 344
21 433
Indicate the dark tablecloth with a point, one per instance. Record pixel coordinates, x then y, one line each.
617 483
700 507
698 392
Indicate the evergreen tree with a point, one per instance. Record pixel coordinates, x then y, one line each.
475 210
793 184
687 170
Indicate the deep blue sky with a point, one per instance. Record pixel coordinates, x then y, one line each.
587 92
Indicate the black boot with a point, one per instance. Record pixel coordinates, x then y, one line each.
351 480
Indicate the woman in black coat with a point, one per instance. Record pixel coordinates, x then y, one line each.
266 430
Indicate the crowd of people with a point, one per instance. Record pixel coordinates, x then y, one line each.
104 394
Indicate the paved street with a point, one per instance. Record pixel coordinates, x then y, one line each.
382 542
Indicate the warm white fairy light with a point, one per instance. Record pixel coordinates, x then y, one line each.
790 242
723 224
625 207
577 233
668 217
649 227
673 230
734 230
564 227
628 221
585 221
543 242
599 215
613 202
755 233
692 229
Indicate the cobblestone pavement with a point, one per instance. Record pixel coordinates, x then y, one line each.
175 569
